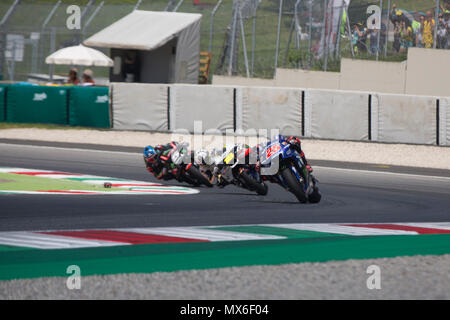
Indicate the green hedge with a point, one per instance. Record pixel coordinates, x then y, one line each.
89 107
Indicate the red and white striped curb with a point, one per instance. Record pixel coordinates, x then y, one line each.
371 229
116 237
130 187
65 239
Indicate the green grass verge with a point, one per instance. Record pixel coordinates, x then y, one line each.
19 182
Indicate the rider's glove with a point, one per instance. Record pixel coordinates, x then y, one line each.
161 174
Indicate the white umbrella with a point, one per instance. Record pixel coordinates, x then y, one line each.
79 56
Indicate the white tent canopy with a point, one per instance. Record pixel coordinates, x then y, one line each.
148 31
143 30
80 56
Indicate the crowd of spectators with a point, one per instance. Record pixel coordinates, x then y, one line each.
411 29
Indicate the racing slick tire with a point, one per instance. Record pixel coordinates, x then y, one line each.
195 173
260 188
294 185
315 196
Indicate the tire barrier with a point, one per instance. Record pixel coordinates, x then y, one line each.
404 119
213 105
444 121
89 107
269 108
140 106
75 106
341 115
315 113
37 104
3 89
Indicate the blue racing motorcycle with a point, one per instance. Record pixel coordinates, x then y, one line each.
281 163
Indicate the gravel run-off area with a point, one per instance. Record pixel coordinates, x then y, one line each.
418 277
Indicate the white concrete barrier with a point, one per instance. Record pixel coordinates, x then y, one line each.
425 72
336 114
242 81
269 108
366 75
298 78
139 106
212 105
444 121
404 118
428 72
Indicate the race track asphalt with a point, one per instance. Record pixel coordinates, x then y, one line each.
351 193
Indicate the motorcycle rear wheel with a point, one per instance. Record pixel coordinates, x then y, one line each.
260 188
294 185
198 176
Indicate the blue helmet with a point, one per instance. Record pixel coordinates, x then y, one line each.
149 153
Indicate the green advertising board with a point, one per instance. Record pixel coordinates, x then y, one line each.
3 88
37 104
89 107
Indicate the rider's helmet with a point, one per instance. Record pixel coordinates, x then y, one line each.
294 140
149 155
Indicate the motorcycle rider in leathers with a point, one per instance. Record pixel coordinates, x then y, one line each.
296 144
153 158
